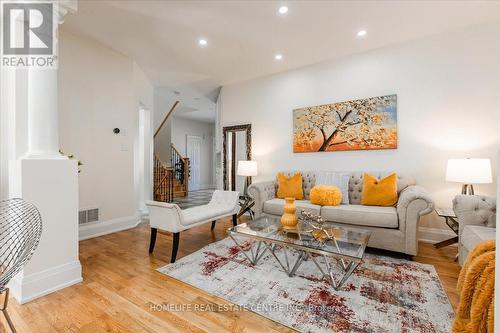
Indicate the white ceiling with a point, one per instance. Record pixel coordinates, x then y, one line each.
243 36
192 104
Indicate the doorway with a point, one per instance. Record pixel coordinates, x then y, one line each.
193 152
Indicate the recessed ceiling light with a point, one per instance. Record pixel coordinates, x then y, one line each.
361 33
283 10
203 42
278 57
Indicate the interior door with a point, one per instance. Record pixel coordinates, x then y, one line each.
193 147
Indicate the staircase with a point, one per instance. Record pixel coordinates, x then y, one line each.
180 166
163 181
170 181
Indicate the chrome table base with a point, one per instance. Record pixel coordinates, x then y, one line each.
290 263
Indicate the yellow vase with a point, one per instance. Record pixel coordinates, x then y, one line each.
289 220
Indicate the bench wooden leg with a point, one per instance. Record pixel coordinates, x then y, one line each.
175 247
152 241
213 225
235 220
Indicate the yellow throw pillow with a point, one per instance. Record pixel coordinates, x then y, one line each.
325 195
290 187
383 192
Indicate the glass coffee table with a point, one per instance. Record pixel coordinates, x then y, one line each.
335 250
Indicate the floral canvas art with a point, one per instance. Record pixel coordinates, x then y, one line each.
363 124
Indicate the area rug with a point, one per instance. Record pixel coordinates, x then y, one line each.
383 294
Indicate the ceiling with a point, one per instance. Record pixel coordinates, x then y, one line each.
243 36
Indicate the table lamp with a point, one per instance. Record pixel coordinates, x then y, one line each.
247 169
469 171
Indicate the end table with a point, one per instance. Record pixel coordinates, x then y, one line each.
451 221
246 204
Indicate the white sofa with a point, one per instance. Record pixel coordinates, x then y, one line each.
393 228
476 216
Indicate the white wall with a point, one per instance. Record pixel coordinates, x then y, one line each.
448 106
163 141
143 143
182 127
101 89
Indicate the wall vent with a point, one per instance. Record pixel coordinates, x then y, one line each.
87 215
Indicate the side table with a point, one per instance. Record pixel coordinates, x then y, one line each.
246 204
451 221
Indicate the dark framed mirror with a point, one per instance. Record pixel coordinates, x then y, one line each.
236 146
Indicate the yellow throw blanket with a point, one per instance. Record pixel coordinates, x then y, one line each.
476 287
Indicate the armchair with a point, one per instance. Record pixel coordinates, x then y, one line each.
476 216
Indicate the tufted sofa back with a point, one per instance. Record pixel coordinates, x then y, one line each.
355 183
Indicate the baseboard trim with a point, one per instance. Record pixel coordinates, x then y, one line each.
434 235
26 288
101 228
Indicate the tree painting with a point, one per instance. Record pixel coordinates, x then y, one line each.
363 124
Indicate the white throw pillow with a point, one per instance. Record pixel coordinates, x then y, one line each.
339 179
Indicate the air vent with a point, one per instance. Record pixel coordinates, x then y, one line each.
87 215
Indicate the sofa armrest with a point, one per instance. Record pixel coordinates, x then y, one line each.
414 202
260 193
475 209
165 216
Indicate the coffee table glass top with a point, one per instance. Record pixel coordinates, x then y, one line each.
348 242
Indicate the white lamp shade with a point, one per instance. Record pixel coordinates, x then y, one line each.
247 168
469 171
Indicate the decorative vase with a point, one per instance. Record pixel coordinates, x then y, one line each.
289 220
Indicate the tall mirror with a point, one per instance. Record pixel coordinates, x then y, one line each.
237 142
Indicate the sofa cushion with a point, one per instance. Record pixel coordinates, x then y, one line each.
356 184
290 186
373 216
379 192
326 195
474 234
275 206
339 179
308 180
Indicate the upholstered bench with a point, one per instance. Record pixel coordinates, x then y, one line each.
169 217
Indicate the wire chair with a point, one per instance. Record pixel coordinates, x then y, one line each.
20 232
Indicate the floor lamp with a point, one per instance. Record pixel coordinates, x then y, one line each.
469 171
247 169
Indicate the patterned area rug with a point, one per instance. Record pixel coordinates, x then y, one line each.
382 295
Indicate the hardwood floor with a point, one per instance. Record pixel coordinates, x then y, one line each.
121 283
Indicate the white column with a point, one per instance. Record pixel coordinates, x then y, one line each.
49 181
43 124
43 128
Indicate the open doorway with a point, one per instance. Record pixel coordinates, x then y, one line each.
193 150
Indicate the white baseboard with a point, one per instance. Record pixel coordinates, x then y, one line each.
100 228
434 235
26 288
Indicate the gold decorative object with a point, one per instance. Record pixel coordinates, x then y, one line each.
289 220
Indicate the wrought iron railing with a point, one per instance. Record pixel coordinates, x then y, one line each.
180 167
